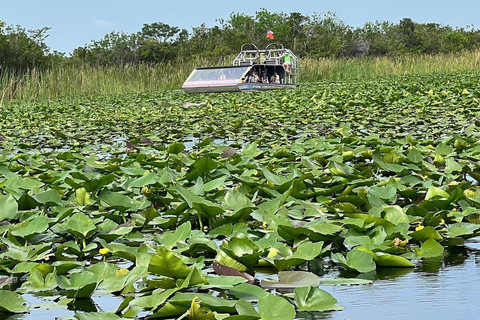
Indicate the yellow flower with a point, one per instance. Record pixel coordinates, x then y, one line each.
420 227
104 251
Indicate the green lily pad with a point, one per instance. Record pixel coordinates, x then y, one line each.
315 299
12 302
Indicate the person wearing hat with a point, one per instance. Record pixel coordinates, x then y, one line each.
287 61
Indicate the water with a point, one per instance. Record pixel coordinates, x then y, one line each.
436 289
440 288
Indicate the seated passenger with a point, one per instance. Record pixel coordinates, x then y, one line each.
264 77
275 78
253 78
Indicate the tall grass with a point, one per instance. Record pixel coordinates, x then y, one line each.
340 69
73 80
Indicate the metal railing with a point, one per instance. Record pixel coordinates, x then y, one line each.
273 54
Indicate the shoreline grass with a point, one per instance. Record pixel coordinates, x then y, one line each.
69 80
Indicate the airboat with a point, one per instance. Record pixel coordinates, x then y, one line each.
249 62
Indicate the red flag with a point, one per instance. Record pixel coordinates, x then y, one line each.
270 34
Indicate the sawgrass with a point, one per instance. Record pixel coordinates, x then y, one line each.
71 80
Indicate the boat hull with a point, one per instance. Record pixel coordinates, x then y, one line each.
241 87
264 86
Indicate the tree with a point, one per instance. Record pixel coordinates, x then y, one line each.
22 49
159 31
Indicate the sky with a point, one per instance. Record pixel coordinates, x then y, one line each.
75 24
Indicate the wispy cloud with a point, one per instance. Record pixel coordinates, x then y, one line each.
100 22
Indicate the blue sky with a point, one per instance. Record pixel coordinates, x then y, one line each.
76 23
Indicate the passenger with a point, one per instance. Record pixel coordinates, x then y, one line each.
275 78
254 78
287 61
264 77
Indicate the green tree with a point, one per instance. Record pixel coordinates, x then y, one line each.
326 35
22 49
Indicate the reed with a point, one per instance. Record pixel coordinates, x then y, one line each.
70 80
341 69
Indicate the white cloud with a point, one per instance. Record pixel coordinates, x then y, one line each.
100 22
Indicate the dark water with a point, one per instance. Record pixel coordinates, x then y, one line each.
442 288
446 288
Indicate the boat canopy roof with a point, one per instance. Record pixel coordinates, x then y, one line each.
218 73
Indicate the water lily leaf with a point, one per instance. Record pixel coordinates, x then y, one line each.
306 251
152 301
276 180
429 249
248 292
27 253
234 200
18 185
182 233
79 285
395 215
415 155
243 250
49 197
251 150
92 182
388 260
360 261
246 309
197 312
452 166
426 233
146 180
223 282
292 279
27 202
462 229
434 192
121 202
205 299
166 263
80 225
194 278
12 302
23 267
443 149
323 228
9 207
380 196
31 227
96 316
176 148
214 184
356 259
38 281
315 299
82 197
205 165
272 307
207 208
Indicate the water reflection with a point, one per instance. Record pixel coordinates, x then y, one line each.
437 288
85 305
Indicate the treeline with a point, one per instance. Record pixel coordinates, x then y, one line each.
316 36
